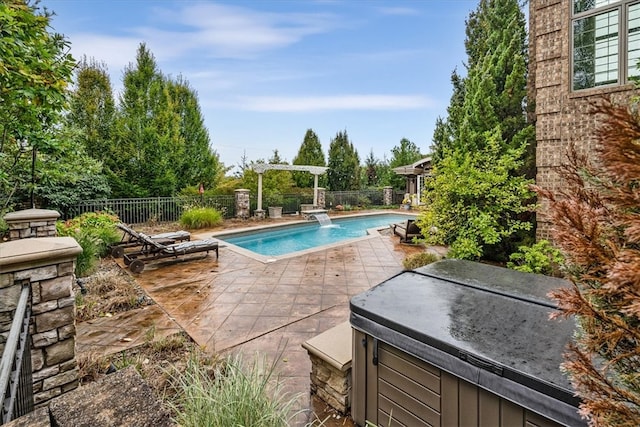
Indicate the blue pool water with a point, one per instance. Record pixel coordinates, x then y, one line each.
288 239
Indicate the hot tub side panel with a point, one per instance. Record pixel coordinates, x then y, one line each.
393 388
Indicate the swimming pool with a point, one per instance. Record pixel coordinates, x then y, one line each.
288 239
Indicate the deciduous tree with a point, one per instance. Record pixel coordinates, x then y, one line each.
148 141
35 70
92 110
199 163
404 154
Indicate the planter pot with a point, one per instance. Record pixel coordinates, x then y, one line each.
406 207
275 211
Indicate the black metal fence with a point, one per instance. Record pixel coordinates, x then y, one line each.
153 209
16 384
169 209
360 198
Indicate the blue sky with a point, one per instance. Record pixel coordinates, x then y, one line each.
266 71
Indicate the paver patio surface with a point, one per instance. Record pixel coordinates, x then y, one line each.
240 304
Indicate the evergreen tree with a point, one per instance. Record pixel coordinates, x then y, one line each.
485 135
344 164
370 170
446 130
404 154
310 153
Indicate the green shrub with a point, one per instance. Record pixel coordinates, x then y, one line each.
232 395
476 199
87 261
4 228
540 258
93 231
99 225
196 218
419 260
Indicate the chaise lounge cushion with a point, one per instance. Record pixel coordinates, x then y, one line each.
407 230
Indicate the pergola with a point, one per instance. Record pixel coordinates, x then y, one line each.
261 168
415 174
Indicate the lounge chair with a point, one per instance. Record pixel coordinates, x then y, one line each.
407 230
131 239
153 250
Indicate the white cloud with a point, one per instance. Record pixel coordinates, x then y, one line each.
398 11
116 52
235 32
282 104
205 29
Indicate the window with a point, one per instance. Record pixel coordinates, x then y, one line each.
606 42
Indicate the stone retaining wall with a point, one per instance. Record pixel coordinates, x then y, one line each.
332 385
31 223
47 265
330 354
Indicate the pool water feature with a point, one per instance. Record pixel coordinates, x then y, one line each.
323 219
290 239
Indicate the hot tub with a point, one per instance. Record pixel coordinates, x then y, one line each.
460 343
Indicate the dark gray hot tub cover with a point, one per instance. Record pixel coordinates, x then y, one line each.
485 324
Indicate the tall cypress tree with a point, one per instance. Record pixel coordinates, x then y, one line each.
446 130
370 175
344 164
485 140
310 153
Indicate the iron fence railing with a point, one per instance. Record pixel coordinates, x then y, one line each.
153 209
362 198
169 209
16 383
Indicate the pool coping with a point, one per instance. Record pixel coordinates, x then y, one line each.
265 259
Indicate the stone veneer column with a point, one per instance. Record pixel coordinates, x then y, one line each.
387 195
47 265
322 192
32 223
243 204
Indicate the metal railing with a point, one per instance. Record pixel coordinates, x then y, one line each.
16 384
169 209
373 197
159 209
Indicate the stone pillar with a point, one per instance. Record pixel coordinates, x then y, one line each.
322 192
243 204
32 223
46 265
387 195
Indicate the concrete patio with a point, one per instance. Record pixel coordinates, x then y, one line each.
240 304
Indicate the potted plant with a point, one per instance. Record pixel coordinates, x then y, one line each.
275 205
406 202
